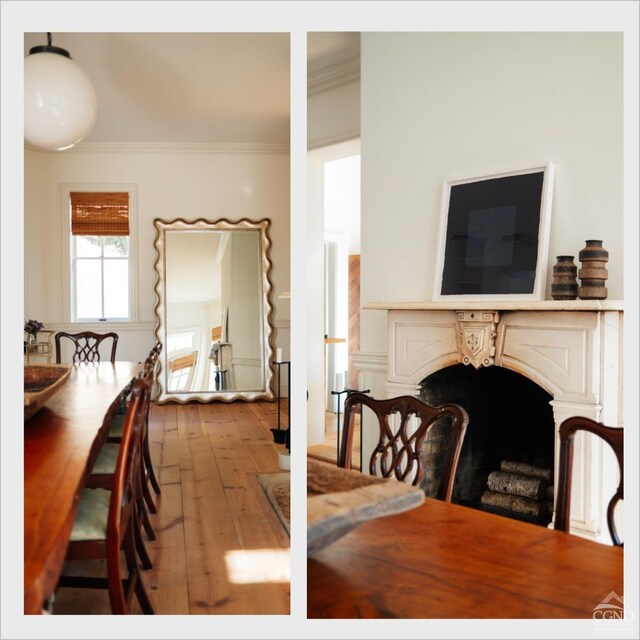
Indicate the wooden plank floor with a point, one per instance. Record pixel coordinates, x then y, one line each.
220 547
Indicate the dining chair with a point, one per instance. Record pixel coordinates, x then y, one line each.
398 453
614 437
115 433
86 344
105 524
103 471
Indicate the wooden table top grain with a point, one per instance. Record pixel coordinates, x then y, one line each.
443 560
59 442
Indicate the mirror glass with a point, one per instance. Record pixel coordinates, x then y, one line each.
214 310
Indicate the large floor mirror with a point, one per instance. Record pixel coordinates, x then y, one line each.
214 310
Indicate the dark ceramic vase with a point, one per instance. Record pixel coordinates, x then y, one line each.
565 284
593 273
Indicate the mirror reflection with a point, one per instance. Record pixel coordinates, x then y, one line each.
212 277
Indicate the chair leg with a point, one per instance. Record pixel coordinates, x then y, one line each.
143 598
151 474
148 498
141 549
142 515
114 580
146 523
134 578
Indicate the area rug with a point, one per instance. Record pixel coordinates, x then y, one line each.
277 487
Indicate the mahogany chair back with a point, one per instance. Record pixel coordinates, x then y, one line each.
103 471
398 452
87 344
121 523
148 473
614 437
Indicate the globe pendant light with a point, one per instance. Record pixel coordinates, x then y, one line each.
60 104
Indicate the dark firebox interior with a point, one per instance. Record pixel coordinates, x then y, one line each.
510 418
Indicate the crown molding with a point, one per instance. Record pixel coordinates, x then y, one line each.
174 147
333 76
328 141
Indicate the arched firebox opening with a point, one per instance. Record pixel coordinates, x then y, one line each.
506 463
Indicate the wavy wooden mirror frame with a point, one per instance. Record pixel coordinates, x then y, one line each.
265 293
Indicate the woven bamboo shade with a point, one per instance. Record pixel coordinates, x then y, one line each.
99 214
182 362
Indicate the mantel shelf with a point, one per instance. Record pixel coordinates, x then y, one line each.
500 305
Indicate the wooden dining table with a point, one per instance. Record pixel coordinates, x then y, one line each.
442 560
60 443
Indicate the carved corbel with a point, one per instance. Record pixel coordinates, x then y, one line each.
477 337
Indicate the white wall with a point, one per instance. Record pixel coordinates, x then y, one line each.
333 115
170 184
442 106
244 317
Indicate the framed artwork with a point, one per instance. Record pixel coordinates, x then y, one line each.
494 236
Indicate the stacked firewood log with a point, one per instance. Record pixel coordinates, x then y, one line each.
521 489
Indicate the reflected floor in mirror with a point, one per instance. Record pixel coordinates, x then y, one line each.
220 546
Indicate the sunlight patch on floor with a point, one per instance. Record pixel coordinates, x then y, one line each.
258 565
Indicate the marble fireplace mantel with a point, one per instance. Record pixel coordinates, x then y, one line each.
501 305
572 349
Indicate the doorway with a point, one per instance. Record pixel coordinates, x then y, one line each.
334 199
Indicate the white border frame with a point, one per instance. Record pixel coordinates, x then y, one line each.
540 282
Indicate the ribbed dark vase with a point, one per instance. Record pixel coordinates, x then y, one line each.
593 273
564 285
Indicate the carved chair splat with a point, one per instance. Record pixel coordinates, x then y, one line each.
398 453
87 344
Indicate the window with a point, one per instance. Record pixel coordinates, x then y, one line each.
100 255
181 372
182 358
180 341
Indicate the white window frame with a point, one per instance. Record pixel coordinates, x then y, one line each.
67 240
201 361
191 331
192 369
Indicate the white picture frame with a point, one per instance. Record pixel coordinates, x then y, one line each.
489 248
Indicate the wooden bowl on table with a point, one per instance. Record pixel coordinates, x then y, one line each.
41 383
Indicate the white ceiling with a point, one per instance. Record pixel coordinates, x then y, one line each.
184 87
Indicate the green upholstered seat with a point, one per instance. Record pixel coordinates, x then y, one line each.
91 519
120 545
107 459
116 427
